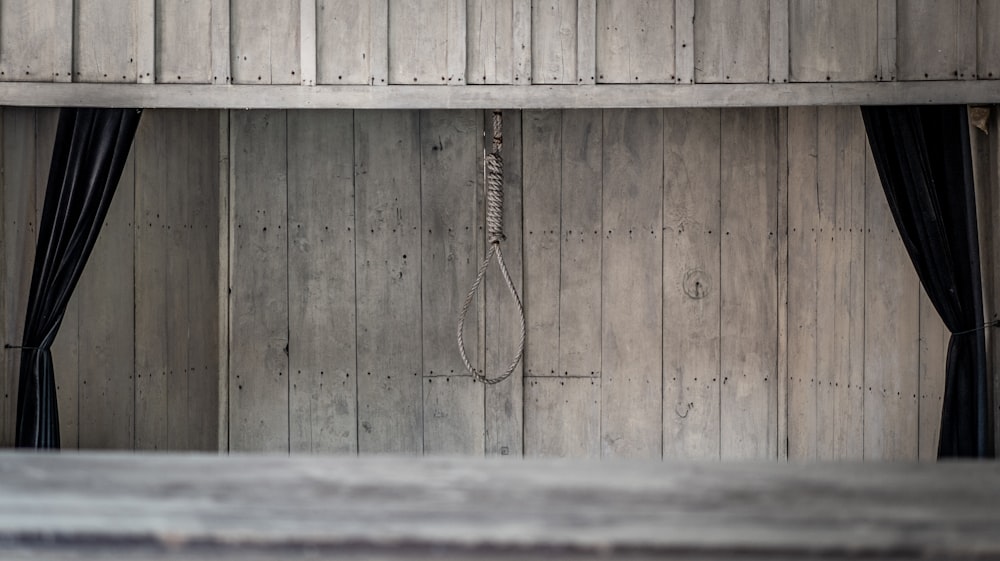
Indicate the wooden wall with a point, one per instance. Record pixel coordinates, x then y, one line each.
698 283
474 42
136 358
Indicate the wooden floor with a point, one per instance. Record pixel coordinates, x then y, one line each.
118 506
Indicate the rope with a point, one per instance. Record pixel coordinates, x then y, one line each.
495 235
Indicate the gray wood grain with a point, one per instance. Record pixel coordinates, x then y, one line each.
988 56
635 41
691 283
554 41
33 45
887 40
258 338
731 41
632 285
265 42
105 41
419 46
833 41
934 338
184 507
749 284
344 42
562 417
684 41
490 42
183 41
937 40
387 214
321 282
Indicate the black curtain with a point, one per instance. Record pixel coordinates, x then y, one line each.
924 159
90 150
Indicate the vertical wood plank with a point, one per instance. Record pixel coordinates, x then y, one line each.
554 41
782 374
833 41
419 42
988 56
691 284
887 43
258 343
934 338
449 258
505 400
184 35
307 42
684 41
224 222
220 42
33 45
542 200
107 354
937 39
891 334
580 248
146 40
522 22
387 214
105 42
632 285
380 42
490 46
586 41
344 42
6 377
265 41
778 41
561 417
321 289
457 42
749 284
635 42
803 215
731 41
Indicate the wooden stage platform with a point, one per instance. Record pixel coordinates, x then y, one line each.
125 506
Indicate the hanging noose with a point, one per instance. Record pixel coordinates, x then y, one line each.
494 230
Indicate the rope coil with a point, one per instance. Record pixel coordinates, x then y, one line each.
495 235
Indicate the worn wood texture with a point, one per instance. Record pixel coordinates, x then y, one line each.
427 42
321 283
554 41
34 45
934 338
833 41
200 507
748 270
387 214
887 40
691 283
635 41
344 42
892 324
632 285
731 41
448 258
988 52
937 39
684 41
264 41
778 30
259 360
183 41
490 42
105 41
562 417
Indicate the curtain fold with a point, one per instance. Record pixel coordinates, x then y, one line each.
90 151
924 160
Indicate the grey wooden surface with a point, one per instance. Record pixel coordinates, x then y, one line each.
192 507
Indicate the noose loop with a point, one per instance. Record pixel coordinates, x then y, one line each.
494 231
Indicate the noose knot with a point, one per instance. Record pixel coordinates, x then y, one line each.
494 198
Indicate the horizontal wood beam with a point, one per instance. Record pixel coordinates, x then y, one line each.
514 97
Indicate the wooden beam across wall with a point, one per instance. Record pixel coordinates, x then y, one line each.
478 97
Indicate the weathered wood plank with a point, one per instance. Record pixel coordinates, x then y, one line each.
632 285
224 280
834 41
782 272
106 344
937 39
542 210
387 214
422 42
891 334
146 39
321 287
105 41
448 257
380 43
988 56
887 40
308 28
344 42
778 42
684 41
490 42
265 41
934 338
731 41
505 401
258 342
579 342
586 41
33 45
749 284
457 42
554 41
635 41
562 417
220 42
691 283
521 26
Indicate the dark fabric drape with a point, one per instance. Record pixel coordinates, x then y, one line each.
90 151
924 159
